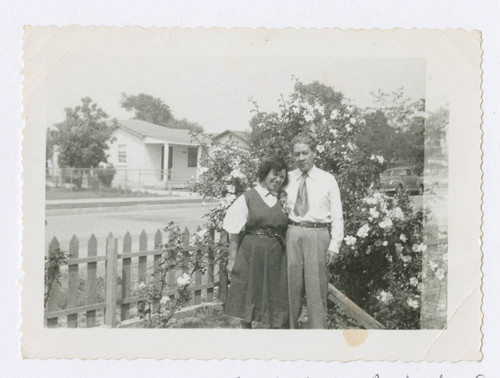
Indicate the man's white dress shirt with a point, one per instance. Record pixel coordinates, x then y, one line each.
324 202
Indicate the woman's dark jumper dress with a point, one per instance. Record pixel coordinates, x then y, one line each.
258 290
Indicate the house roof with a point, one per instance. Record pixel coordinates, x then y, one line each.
243 135
147 129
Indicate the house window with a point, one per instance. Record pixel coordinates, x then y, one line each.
192 157
122 153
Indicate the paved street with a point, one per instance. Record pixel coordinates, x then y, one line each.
100 223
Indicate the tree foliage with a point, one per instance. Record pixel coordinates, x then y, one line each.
147 108
404 121
154 110
83 137
185 124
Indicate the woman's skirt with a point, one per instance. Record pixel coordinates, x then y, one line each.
258 289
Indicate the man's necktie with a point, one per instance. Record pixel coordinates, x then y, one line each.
302 203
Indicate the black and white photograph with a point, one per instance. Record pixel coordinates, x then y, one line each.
255 191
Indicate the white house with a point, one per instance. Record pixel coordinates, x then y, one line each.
155 156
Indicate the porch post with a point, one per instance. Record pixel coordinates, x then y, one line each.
165 163
198 162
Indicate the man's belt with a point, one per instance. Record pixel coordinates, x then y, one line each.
269 232
310 224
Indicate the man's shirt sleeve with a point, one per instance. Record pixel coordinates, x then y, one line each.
337 232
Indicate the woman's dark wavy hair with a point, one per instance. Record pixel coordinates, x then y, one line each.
272 164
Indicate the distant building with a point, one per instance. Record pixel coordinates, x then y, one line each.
162 156
240 138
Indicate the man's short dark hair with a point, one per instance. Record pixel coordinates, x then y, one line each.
304 138
272 164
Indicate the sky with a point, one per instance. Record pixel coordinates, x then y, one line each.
215 91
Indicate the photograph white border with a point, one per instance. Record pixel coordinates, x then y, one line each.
454 61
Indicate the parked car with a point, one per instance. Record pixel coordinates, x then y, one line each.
400 178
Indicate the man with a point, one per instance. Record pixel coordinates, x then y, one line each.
315 232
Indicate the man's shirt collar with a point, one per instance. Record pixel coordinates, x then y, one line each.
312 173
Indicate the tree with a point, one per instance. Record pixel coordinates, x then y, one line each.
83 137
407 119
152 109
147 108
185 124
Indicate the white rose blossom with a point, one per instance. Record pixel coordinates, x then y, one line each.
377 158
320 148
309 117
236 173
386 223
414 281
406 259
164 300
320 109
236 162
403 238
413 303
371 201
384 296
419 247
374 213
363 231
229 199
385 243
334 132
334 114
352 120
308 107
350 240
397 213
183 280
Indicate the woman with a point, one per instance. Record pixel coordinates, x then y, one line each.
257 225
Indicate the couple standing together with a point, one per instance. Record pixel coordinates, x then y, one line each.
277 257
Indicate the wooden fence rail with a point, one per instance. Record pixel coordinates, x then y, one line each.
123 299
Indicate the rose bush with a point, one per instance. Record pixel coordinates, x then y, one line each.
226 173
380 262
185 256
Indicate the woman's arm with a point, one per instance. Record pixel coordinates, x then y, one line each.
234 241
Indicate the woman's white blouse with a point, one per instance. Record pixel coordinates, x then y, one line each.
237 215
